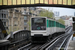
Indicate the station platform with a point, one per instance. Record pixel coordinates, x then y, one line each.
71 45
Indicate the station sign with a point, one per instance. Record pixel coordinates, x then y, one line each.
23 2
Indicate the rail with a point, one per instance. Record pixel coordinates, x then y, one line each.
68 27
43 47
60 42
66 47
64 42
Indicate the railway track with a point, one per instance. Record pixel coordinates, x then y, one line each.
60 43
39 46
30 47
63 45
43 47
55 44
15 47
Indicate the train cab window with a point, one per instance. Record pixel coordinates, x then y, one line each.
38 23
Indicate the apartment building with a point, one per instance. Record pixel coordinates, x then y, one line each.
16 20
4 18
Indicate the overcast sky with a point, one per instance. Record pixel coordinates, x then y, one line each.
62 11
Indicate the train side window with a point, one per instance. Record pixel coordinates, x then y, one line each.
59 24
52 23
56 24
49 23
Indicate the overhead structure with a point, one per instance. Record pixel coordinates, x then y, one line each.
22 2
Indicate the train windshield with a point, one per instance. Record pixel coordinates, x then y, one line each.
38 23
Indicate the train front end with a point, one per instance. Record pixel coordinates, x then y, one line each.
38 29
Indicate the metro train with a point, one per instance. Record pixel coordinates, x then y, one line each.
42 28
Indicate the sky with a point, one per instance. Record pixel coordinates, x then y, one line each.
62 11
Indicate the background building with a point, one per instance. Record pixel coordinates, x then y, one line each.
4 18
16 20
56 14
68 22
67 19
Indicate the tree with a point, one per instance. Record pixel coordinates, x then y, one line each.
61 21
46 13
29 23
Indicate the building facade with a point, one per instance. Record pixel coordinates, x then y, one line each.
26 15
4 18
16 20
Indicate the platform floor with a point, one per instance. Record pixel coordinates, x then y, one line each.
72 44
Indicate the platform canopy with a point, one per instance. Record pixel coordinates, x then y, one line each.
23 2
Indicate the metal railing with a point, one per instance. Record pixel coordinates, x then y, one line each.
4 44
19 36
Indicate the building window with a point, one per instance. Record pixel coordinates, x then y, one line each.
32 8
25 17
16 10
25 28
4 23
4 15
25 23
15 23
0 16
